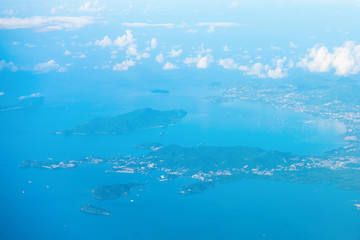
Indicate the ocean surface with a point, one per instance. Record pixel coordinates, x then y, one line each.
45 204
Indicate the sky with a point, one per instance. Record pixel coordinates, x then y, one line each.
269 39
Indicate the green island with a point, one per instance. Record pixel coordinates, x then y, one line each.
212 165
94 210
114 191
127 123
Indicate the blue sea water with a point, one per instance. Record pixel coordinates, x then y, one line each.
41 204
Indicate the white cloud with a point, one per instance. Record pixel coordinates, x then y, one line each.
2 93
132 50
123 41
279 71
256 70
212 25
33 95
169 66
262 71
175 53
126 41
106 41
91 7
226 48
202 60
168 25
10 66
51 65
345 60
160 58
153 43
82 56
67 52
45 23
123 66
228 63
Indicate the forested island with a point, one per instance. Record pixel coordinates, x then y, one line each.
127 123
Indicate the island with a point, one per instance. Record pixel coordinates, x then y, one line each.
114 191
94 210
127 123
213 165
48 164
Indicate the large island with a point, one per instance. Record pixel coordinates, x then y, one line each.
126 123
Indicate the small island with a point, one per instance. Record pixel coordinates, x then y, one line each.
114 191
127 123
94 210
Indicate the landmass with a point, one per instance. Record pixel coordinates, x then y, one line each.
94 210
114 191
212 165
49 164
127 123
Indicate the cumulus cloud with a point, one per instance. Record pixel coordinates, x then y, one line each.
262 71
153 43
226 48
67 52
126 41
202 60
175 53
2 93
91 7
106 41
228 63
46 23
276 70
10 66
51 65
345 60
212 25
169 66
160 58
279 71
123 66
168 25
123 41
33 95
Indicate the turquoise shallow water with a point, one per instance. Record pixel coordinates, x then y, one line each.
246 209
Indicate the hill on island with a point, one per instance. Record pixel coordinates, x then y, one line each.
129 122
